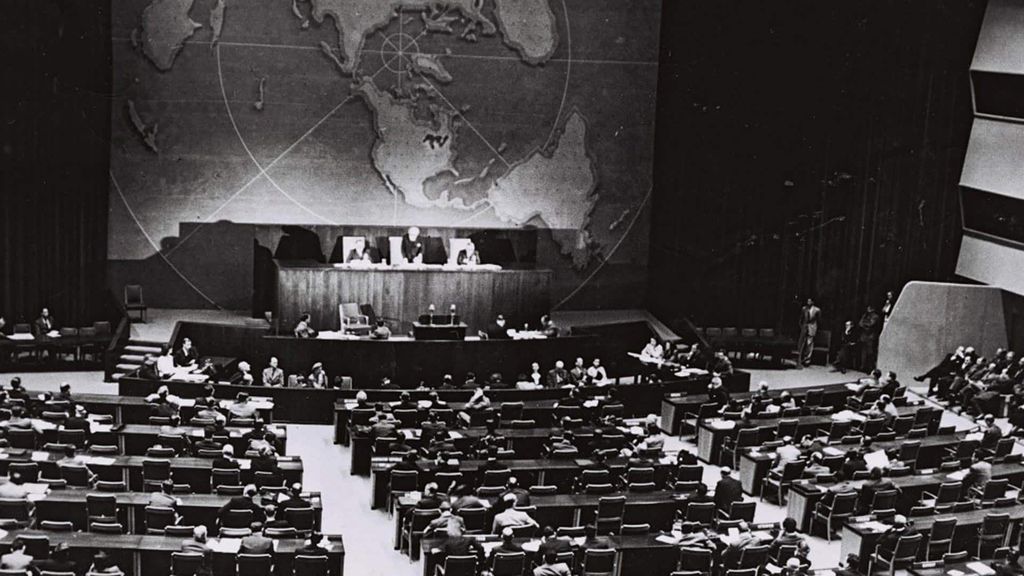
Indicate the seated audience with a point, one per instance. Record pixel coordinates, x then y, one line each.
272 375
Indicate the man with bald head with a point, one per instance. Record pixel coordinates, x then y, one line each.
412 246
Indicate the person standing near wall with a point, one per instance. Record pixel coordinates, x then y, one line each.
809 316
870 325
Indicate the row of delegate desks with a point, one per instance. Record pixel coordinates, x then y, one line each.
677 404
128 469
145 555
19 344
527 471
655 508
754 464
805 494
527 442
70 505
135 439
636 555
135 409
712 432
636 399
321 405
861 537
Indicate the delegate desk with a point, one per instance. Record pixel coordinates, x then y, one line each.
675 405
527 442
968 568
639 555
18 344
528 472
636 399
805 494
134 439
712 432
146 555
70 505
754 464
404 292
655 508
135 409
128 469
861 537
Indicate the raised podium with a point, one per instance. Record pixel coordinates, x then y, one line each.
433 331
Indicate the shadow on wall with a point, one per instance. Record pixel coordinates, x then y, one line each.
933 318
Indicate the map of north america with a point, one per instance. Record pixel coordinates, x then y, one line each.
419 134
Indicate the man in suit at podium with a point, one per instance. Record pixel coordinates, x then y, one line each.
498 330
412 246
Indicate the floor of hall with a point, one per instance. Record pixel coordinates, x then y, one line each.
369 533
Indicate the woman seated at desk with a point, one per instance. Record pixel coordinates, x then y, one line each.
468 256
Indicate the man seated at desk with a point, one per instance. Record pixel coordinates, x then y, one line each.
361 253
187 355
272 375
45 323
900 528
317 377
164 403
381 331
412 247
468 256
498 330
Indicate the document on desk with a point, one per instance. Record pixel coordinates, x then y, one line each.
531 546
723 424
100 461
244 464
226 545
39 456
958 475
455 435
981 568
102 427
873 526
667 539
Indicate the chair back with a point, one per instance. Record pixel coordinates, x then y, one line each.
743 510
101 506
690 472
157 518
1004 447
405 480
254 564
237 519
361 416
302 519
611 506
942 530
640 475
133 296
511 411
310 565
407 417
844 504
21 438
786 427
906 548
588 477
445 480
36 545
494 478
902 425
29 470
75 475
57 525
994 524
995 489
642 528
225 477
598 561
754 556
949 492
783 553
458 566
106 527
508 563
702 512
884 501
525 531
697 559
156 470
186 563
793 470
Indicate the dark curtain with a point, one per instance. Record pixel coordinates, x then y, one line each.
806 148
54 158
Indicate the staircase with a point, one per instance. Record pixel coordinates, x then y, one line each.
133 355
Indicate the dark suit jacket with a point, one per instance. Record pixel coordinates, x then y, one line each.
991 437
411 249
495 332
183 358
76 423
461 546
727 491
40 325
242 503
224 463
555 545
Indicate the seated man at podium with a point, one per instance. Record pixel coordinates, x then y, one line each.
468 256
303 329
360 253
498 330
412 246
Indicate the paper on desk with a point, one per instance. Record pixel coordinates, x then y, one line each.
455 435
723 424
38 456
832 451
102 427
488 546
244 464
958 475
667 539
974 436
852 386
874 526
102 461
579 540
981 568
590 404
531 546
845 415
226 545
4 455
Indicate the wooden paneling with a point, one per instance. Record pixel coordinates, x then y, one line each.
402 295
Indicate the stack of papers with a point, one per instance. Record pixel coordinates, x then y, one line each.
226 545
980 568
723 424
667 539
874 526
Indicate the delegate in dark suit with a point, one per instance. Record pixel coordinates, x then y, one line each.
727 491
411 249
